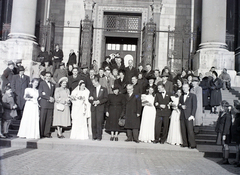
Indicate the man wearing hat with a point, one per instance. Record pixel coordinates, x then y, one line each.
7 74
57 57
19 83
59 73
46 93
168 84
16 68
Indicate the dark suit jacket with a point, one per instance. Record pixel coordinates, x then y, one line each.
102 97
166 112
7 77
45 93
191 105
137 89
18 86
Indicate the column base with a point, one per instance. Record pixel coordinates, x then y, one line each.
22 36
213 45
14 49
205 58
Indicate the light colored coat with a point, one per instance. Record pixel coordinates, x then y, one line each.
199 112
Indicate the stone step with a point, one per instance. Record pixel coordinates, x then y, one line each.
206 136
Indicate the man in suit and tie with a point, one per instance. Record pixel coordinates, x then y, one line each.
98 97
188 106
161 103
18 85
46 93
130 71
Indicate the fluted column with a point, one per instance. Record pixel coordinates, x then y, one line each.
23 19
213 24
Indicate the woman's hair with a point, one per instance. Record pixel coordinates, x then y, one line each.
31 83
81 82
147 91
6 88
225 106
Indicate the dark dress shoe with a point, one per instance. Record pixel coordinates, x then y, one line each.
9 135
49 136
111 138
2 136
237 165
225 162
192 147
155 141
62 136
58 136
116 138
136 141
183 145
99 139
128 140
162 142
6 135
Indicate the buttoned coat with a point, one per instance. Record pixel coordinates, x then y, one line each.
18 86
133 107
165 112
7 77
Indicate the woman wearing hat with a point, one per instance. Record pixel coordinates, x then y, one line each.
80 112
115 109
197 90
215 92
61 115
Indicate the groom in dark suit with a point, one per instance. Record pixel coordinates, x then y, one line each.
46 93
188 106
161 103
98 97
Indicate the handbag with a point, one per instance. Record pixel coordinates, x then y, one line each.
121 121
60 107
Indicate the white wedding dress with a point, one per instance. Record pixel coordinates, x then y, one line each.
80 113
29 126
174 132
147 127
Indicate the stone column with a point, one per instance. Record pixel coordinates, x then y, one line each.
213 49
21 43
213 24
23 19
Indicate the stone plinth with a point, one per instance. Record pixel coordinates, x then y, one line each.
17 49
204 59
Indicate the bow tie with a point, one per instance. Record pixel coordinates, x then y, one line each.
185 93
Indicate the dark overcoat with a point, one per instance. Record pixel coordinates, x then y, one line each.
130 73
133 107
205 90
8 102
72 59
236 129
7 77
18 86
191 106
73 82
116 108
215 93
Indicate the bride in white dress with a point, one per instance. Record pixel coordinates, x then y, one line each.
147 127
174 133
29 126
80 112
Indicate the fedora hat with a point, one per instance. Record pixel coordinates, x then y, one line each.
165 75
21 68
195 79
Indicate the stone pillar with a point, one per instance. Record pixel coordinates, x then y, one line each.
23 19
21 43
213 49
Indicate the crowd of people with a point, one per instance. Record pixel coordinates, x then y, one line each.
156 105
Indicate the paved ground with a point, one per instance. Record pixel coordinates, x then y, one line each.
134 159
